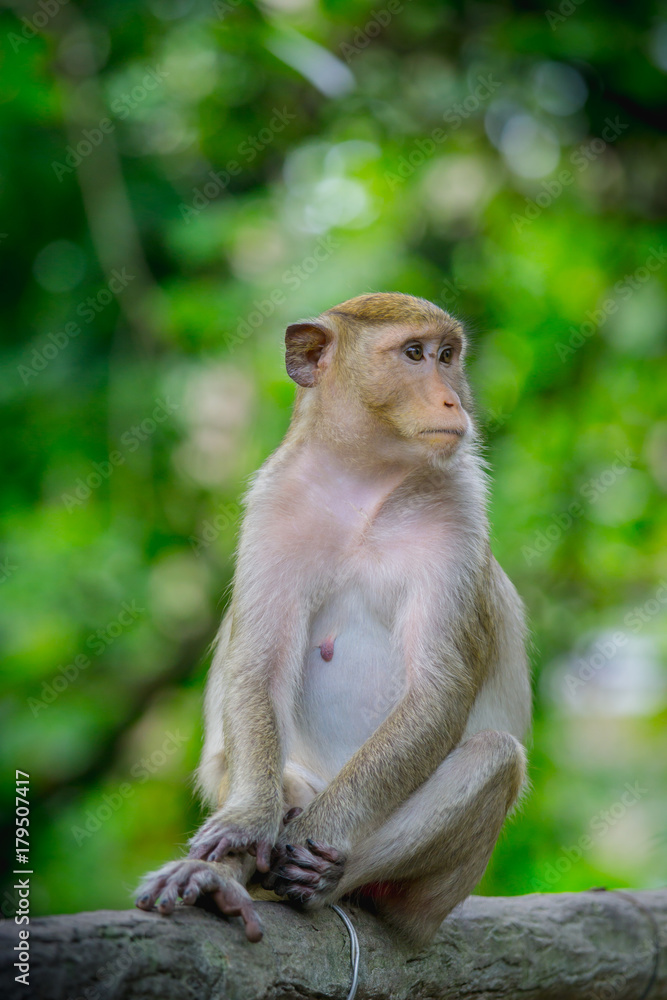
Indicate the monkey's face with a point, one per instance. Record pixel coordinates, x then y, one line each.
411 379
386 373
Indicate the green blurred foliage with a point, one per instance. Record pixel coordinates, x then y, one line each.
181 179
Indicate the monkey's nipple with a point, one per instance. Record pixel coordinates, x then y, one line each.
327 650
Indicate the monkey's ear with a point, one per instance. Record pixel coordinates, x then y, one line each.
304 346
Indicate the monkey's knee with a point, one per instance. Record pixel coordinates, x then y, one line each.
505 758
299 787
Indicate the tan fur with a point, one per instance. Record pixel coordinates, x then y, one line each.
366 536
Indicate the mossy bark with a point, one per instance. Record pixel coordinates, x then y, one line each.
574 946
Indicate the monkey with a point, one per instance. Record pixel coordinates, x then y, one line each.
368 701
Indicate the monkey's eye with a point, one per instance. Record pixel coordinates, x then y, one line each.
414 351
446 355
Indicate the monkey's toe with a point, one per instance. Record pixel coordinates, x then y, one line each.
234 901
189 880
152 886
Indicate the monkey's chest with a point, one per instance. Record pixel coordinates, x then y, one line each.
352 677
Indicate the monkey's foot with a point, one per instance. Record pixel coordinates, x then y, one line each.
305 873
218 837
190 880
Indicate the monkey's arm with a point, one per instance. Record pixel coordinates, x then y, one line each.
449 629
400 755
249 790
447 646
266 626
386 770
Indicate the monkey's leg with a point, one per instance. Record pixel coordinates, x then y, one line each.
431 852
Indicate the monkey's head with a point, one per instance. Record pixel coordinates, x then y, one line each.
386 364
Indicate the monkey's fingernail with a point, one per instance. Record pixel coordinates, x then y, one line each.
144 899
288 847
311 843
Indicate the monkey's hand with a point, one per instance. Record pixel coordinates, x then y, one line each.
190 880
306 872
228 830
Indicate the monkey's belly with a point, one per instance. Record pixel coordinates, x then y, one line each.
353 677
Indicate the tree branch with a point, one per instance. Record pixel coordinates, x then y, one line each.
573 946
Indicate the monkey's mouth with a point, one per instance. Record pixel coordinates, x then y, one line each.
445 430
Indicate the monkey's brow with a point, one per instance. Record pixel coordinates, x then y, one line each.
452 336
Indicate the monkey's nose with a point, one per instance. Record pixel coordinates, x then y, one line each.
450 398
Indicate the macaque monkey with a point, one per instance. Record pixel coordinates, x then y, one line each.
370 690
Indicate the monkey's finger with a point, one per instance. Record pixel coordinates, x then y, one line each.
305 863
299 893
200 848
292 814
280 886
269 880
221 849
324 851
300 875
263 849
277 861
304 857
